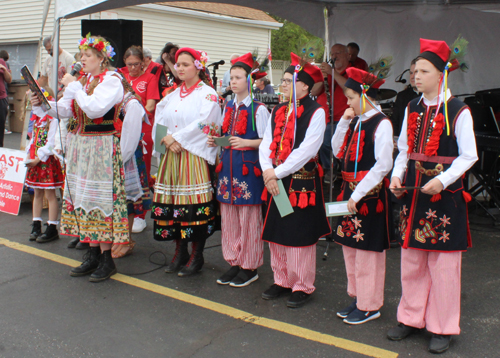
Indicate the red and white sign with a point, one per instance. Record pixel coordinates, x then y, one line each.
12 175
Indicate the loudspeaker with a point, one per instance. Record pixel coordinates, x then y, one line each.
120 33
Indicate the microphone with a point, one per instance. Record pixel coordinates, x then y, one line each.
76 69
400 78
220 63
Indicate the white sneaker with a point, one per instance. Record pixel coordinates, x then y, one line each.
7 131
139 225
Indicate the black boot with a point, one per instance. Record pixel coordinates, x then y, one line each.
72 244
82 245
196 260
36 231
89 264
181 256
106 268
50 234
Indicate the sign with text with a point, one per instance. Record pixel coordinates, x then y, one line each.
12 175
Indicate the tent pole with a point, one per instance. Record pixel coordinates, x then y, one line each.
55 55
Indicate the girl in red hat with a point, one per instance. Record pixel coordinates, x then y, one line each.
183 207
436 147
363 142
240 183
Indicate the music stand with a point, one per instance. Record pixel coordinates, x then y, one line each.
214 76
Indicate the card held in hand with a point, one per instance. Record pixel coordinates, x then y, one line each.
282 201
161 131
35 88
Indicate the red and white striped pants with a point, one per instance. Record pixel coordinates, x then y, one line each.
241 232
365 277
294 267
431 290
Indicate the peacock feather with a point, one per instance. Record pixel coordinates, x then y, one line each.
458 52
381 68
310 50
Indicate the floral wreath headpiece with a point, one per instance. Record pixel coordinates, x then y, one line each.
98 44
200 57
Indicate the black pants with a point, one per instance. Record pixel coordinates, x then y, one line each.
4 107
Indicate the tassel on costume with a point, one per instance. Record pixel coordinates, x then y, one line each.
364 210
218 168
244 170
340 196
435 198
467 196
312 199
380 206
293 199
263 197
321 172
257 171
302 200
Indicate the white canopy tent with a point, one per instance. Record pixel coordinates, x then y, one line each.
380 27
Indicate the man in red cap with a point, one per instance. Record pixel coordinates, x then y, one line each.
364 144
436 147
288 152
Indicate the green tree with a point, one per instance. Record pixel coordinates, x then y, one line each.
290 38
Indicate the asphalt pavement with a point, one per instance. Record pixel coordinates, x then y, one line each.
47 313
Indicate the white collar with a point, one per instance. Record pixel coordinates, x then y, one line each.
246 101
434 101
367 115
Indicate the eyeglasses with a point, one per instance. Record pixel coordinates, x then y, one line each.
137 64
286 81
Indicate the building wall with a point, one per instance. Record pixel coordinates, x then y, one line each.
22 20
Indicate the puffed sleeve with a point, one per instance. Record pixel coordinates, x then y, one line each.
131 129
264 151
193 138
46 151
159 119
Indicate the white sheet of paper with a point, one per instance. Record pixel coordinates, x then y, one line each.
338 208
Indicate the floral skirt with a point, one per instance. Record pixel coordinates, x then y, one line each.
94 226
46 175
183 205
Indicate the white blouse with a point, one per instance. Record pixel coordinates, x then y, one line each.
46 151
188 119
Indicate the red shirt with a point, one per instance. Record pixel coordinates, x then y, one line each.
153 65
3 92
359 63
339 98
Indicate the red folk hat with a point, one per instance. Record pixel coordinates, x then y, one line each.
190 50
436 52
259 75
358 77
246 61
309 74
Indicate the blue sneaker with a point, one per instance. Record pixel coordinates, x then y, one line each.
345 312
359 317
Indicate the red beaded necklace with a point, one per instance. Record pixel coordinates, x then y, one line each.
187 91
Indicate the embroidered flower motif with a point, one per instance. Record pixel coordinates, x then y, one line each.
210 128
158 211
207 211
357 222
431 214
212 98
404 209
186 233
358 236
444 236
164 234
445 221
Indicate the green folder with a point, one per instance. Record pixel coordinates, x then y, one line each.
222 141
161 131
282 201
337 208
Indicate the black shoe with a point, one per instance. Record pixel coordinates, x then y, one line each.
181 256
82 246
244 278
106 268
89 264
226 278
439 343
36 231
297 299
196 260
72 244
50 234
401 331
345 312
274 292
359 317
